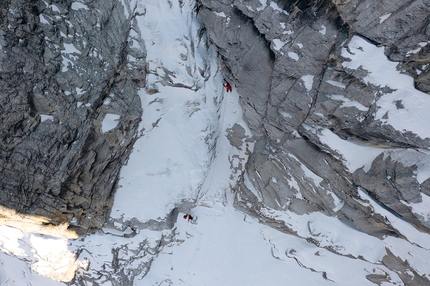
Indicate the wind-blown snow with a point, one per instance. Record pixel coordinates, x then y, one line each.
353 155
414 115
346 102
337 83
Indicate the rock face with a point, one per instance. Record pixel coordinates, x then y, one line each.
287 61
69 107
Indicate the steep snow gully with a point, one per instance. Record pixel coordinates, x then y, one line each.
190 157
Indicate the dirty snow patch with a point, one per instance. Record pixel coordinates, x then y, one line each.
79 5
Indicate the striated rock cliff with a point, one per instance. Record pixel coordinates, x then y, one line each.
69 107
292 63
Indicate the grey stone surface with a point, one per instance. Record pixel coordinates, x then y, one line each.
68 64
301 43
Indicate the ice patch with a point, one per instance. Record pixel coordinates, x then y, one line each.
79 5
43 19
307 172
308 80
347 102
277 8
278 44
44 117
110 122
337 83
417 50
220 14
79 91
323 29
285 114
54 8
421 209
263 5
293 55
384 17
71 49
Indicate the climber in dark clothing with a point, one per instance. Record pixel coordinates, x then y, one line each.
227 86
189 217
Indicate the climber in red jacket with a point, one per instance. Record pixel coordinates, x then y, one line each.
227 86
189 217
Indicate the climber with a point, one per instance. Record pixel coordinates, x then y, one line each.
188 216
227 86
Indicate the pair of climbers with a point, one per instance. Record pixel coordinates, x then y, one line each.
227 86
189 217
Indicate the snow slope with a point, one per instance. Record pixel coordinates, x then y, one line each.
183 159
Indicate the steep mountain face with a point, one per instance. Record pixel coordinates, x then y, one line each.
112 99
65 83
288 62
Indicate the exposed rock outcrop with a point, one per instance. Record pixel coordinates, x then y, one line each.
69 107
298 89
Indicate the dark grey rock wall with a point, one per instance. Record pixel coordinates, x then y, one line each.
63 67
297 42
